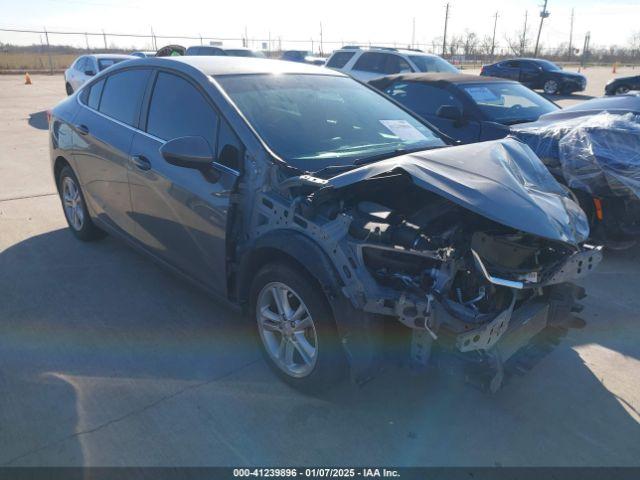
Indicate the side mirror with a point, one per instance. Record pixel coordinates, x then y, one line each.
89 73
188 152
450 112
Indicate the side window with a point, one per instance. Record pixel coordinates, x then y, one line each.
371 62
396 64
93 101
512 64
340 59
80 64
178 109
230 150
422 98
122 95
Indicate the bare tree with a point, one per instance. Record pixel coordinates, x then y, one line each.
455 43
634 44
470 45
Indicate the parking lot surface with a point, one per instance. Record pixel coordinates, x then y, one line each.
107 360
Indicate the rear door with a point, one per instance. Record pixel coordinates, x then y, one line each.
181 213
530 74
510 69
104 130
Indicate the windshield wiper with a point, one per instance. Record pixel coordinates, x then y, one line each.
390 154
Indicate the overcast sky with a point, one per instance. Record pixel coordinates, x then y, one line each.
610 22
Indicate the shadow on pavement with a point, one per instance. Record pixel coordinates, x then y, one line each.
92 332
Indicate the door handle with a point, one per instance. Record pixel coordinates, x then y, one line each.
141 162
82 129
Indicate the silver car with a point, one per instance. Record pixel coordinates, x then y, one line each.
86 66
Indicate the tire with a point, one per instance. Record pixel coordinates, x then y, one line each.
621 90
309 356
75 207
69 89
551 87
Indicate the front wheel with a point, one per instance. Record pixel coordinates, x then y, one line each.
551 87
296 327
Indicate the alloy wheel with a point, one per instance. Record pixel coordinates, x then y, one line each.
551 87
287 329
72 202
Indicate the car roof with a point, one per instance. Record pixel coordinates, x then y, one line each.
404 51
223 65
426 77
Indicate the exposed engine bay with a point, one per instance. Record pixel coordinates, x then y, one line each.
457 279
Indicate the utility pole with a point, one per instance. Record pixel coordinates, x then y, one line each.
104 37
413 34
46 36
153 40
571 36
523 39
493 39
543 14
321 46
444 39
585 48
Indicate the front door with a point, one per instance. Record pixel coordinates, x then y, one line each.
181 213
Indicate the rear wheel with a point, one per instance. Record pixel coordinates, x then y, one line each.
75 208
551 87
296 327
69 88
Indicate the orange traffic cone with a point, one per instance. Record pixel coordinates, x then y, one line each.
614 67
27 79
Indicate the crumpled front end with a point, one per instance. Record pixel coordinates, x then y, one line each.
470 249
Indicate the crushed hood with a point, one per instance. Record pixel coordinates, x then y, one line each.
502 180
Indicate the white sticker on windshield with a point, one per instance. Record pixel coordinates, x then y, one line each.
404 130
481 94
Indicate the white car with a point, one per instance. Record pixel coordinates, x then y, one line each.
86 66
366 64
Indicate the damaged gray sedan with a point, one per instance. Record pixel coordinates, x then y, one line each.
347 227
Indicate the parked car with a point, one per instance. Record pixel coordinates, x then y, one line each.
171 51
368 63
467 108
301 56
592 147
143 54
537 74
622 85
324 209
224 51
86 66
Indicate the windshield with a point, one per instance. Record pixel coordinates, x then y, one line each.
427 63
107 62
314 121
508 103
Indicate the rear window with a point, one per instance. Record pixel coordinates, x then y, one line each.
339 59
122 95
371 62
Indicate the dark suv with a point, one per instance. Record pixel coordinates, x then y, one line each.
337 219
537 74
